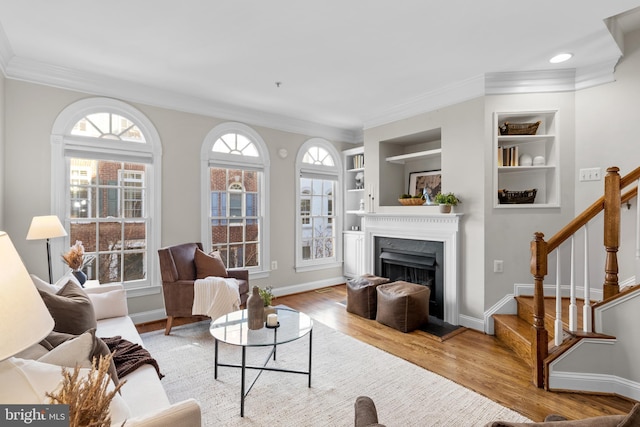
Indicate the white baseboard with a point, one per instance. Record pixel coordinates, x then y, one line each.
309 286
507 305
471 322
596 383
148 316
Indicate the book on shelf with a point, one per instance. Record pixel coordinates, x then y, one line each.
358 161
508 156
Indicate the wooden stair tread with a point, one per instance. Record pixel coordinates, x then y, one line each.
515 333
526 301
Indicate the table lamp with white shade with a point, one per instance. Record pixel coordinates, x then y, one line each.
24 319
46 227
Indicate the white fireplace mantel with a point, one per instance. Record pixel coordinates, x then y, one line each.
433 227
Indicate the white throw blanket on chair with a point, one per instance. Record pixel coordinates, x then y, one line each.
215 296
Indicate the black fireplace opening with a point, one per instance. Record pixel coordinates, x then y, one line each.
414 261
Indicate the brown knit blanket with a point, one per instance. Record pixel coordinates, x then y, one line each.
128 356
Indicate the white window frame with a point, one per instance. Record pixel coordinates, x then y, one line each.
209 158
331 172
65 145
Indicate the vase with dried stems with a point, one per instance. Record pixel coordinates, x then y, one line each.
88 396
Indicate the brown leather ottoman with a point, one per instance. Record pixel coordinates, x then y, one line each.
403 306
361 295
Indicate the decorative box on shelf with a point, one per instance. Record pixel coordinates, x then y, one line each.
517 197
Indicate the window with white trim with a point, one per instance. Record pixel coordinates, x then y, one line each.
109 155
317 239
234 181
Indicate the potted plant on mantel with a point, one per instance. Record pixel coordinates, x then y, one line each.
445 201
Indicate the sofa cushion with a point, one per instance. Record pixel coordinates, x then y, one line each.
209 265
41 285
71 354
28 381
71 309
109 304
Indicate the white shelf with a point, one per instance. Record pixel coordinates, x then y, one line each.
509 169
356 190
356 170
545 178
402 158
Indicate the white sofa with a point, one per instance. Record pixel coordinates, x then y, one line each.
142 401
143 392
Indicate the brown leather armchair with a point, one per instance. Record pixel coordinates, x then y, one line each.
178 272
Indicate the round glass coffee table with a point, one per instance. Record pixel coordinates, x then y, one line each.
233 329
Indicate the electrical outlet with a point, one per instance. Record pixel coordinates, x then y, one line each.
498 266
590 174
274 265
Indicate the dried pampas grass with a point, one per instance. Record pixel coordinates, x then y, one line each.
87 396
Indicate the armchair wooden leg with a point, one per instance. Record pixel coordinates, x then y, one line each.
167 330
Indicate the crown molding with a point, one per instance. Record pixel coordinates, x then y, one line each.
6 52
530 82
66 78
430 101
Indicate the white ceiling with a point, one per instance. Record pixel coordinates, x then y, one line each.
343 64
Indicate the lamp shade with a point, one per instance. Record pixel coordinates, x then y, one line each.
45 227
24 319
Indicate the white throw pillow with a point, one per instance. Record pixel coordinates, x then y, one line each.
28 381
109 304
76 351
41 285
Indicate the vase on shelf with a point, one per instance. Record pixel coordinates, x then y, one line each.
445 208
81 276
255 310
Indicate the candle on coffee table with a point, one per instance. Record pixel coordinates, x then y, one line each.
272 320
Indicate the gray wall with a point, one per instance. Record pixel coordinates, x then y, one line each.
462 127
607 119
31 110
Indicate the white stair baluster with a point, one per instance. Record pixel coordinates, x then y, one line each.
586 308
558 335
573 312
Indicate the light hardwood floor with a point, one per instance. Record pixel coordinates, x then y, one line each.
472 359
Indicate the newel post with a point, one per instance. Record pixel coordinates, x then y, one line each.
611 231
539 343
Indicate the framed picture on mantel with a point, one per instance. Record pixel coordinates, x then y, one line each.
426 182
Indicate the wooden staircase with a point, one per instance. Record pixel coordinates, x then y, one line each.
516 330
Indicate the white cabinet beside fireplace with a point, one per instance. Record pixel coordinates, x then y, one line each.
353 253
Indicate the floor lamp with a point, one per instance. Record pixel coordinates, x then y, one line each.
46 227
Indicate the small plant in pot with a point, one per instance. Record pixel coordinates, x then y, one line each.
267 297
446 200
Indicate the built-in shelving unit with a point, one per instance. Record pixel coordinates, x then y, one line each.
400 157
419 155
354 209
525 162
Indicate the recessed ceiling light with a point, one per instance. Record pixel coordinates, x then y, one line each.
561 57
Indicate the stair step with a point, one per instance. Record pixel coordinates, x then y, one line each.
525 312
515 333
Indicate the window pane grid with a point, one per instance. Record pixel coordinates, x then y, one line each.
234 213
107 214
317 218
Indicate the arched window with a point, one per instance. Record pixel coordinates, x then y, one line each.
106 159
318 241
235 173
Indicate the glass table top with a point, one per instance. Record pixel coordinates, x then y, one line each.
233 329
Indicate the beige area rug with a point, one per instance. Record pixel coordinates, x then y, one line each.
342 369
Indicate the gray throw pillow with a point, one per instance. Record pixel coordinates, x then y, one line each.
71 309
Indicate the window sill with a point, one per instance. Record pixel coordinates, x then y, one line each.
317 266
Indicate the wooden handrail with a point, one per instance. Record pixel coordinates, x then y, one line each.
610 204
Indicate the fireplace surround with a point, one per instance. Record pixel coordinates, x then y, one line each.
442 228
